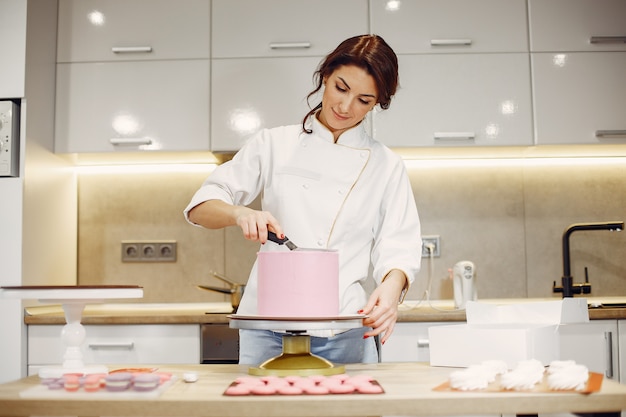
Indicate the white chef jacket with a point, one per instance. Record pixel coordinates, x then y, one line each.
353 196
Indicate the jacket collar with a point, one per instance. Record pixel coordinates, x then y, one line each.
354 136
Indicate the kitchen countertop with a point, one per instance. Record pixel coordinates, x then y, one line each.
408 391
199 313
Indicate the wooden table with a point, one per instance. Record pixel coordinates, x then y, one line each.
408 391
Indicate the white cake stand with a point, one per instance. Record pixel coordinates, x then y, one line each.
296 358
73 300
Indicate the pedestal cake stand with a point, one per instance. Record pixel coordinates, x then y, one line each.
73 300
296 358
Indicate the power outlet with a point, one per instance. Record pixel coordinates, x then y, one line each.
149 251
431 240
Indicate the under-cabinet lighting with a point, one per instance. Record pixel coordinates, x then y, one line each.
144 169
512 162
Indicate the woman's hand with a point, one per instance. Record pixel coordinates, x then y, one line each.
382 307
255 223
217 214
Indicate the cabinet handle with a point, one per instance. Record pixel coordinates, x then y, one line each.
290 45
130 141
423 343
607 39
450 42
112 345
130 49
610 133
608 336
443 136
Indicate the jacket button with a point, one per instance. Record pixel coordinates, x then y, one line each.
320 243
305 186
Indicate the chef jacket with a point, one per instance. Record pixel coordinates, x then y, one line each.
353 196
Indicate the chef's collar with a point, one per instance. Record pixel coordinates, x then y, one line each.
350 137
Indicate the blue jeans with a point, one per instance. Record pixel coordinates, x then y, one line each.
257 346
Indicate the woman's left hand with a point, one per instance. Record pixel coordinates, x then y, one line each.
382 307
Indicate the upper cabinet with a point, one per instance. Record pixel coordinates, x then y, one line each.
451 26
577 25
578 63
464 73
13 47
278 28
459 100
262 66
133 75
117 30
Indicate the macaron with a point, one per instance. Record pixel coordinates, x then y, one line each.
119 381
92 383
146 382
71 382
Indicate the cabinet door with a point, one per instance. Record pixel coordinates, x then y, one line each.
457 26
577 25
119 344
459 100
408 343
579 97
251 94
113 30
592 344
127 106
13 47
252 28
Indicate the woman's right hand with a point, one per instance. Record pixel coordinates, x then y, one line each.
256 223
217 214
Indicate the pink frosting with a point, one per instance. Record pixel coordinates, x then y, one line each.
298 283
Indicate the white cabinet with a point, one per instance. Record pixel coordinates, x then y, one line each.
262 67
113 30
579 97
118 344
252 28
459 100
123 106
578 70
577 25
464 73
451 26
133 75
251 94
409 342
593 344
13 47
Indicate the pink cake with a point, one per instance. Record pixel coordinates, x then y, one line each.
298 283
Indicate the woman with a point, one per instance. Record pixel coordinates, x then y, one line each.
327 184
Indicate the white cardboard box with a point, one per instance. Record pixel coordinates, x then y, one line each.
511 333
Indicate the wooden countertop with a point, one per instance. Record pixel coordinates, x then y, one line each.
199 313
408 391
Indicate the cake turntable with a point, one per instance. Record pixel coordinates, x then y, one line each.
296 357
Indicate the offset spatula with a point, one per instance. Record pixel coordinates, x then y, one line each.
272 236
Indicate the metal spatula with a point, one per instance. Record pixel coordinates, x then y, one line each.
272 236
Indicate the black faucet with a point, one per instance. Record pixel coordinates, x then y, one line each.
568 287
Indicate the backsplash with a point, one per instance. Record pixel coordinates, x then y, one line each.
506 216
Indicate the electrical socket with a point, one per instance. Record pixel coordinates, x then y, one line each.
149 251
434 240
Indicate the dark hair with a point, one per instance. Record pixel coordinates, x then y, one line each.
369 52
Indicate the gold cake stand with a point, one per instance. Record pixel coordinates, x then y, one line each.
296 357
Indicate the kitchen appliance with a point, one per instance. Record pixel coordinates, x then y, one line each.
219 343
9 138
464 285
